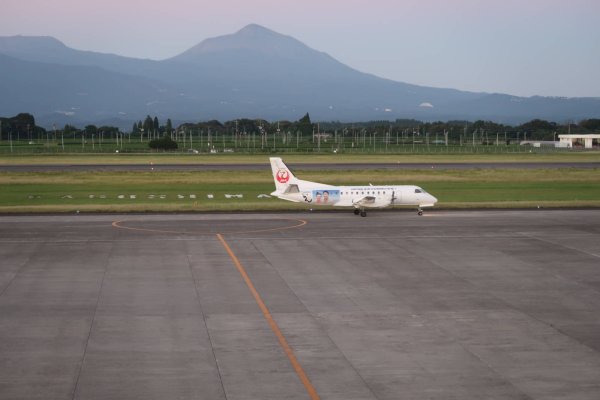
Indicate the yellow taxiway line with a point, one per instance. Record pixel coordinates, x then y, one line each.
274 327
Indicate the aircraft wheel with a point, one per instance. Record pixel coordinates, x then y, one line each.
363 213
356 211
420 213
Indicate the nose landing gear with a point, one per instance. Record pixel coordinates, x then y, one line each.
419 211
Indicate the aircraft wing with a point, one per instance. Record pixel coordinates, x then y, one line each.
372 201
365 201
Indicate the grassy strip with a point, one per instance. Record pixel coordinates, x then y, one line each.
19 159
209 178
65 192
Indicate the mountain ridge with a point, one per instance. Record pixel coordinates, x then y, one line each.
254 72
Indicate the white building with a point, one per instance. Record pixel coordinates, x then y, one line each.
589 140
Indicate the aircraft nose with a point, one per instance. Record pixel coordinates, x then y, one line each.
433 199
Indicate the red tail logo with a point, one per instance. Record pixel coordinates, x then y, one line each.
283 176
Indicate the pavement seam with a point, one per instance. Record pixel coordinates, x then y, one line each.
212 347
561 244
508 305
561 277
318 323
311 391
87 342
491 368
513 308
507 236
10 282
118 224
161 239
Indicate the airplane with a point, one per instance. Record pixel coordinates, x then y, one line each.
289 187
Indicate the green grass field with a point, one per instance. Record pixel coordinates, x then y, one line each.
170 191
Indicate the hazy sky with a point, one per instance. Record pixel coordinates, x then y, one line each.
521 47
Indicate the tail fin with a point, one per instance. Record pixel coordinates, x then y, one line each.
281 174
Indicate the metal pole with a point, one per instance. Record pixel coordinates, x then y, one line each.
319 137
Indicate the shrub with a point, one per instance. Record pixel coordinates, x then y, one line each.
163 143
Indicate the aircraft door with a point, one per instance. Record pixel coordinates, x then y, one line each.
396 197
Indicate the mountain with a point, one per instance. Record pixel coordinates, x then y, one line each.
252 73
81 93
257 39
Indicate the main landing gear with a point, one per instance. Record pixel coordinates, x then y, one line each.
362 212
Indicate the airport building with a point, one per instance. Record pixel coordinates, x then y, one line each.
588 141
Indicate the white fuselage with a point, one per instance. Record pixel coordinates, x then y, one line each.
317 194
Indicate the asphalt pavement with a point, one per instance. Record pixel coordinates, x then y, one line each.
451 305
297 166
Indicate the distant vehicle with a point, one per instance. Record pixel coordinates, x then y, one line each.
194 151
288 187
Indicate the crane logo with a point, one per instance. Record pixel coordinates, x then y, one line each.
283 176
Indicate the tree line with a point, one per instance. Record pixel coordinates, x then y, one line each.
23 127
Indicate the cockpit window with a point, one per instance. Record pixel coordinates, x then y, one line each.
418 191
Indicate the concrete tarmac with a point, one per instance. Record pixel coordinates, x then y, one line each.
451 305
